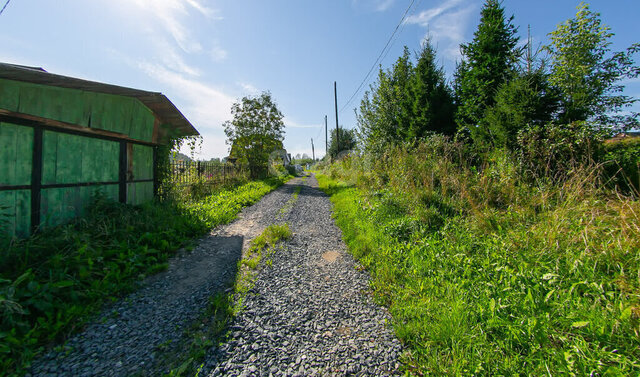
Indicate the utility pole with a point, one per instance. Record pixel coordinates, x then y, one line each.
529 57
326 139
313 151
335 96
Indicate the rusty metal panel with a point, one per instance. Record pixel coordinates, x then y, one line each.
139 192
15 212
16 143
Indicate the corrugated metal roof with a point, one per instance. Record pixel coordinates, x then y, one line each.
161 106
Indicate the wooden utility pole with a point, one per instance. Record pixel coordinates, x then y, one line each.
529 57
326 139
313 151
335 96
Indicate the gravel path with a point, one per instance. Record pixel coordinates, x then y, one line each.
308 314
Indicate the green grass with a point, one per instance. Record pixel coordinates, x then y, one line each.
486 275
52 282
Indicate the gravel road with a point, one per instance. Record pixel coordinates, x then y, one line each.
309 312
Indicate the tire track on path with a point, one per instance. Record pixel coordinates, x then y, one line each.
309 312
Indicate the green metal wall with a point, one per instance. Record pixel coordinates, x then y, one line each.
67 159
16 153
107 112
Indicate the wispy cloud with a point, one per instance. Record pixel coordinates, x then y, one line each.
206 105
446 25
169 16
376 5
383 5
218 54
248 88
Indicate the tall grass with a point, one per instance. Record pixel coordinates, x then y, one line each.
487 274
52 282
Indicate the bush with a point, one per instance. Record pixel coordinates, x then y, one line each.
622 163
553 151
487 274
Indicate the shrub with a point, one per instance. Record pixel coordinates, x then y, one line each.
622 163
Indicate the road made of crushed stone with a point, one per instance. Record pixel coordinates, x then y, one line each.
309 312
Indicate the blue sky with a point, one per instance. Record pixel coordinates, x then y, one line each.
206 54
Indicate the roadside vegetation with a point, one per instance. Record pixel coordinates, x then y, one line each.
53 281
497 216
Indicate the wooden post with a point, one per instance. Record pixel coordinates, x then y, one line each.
122 173
313 151
326 139
36 179
335 96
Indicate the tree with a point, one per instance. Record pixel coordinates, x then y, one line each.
432 99
347 141
386 109
527 100
487 62
586 78
256 130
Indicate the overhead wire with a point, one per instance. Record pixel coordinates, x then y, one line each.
5 6
375 63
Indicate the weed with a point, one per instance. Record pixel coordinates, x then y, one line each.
487 274
53 281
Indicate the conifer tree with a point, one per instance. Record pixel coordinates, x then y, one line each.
432 99
488 61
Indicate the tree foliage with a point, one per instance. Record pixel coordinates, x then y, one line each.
347 141
385 110
527 100
255 131
488 61
406 103
587 75
432 99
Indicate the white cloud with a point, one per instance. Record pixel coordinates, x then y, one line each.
383 5
249 89
207 107
376 5
218 54
168 16
446 25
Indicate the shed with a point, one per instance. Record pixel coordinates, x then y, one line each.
64 138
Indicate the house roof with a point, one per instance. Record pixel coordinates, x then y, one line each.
158 103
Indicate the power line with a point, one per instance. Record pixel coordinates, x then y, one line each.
379 56
5 5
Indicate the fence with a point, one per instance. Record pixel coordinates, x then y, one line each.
189 172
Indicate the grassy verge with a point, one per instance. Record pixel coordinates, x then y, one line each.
486 275
52 282
211 327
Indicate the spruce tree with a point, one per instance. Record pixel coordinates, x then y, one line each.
487 62
432 99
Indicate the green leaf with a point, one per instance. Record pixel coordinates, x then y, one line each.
580 324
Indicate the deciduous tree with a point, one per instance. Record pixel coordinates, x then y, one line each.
587 75
255 131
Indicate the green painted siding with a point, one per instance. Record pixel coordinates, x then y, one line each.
139 192
60 205
15 212
142 162
73 159
16 153
108 112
